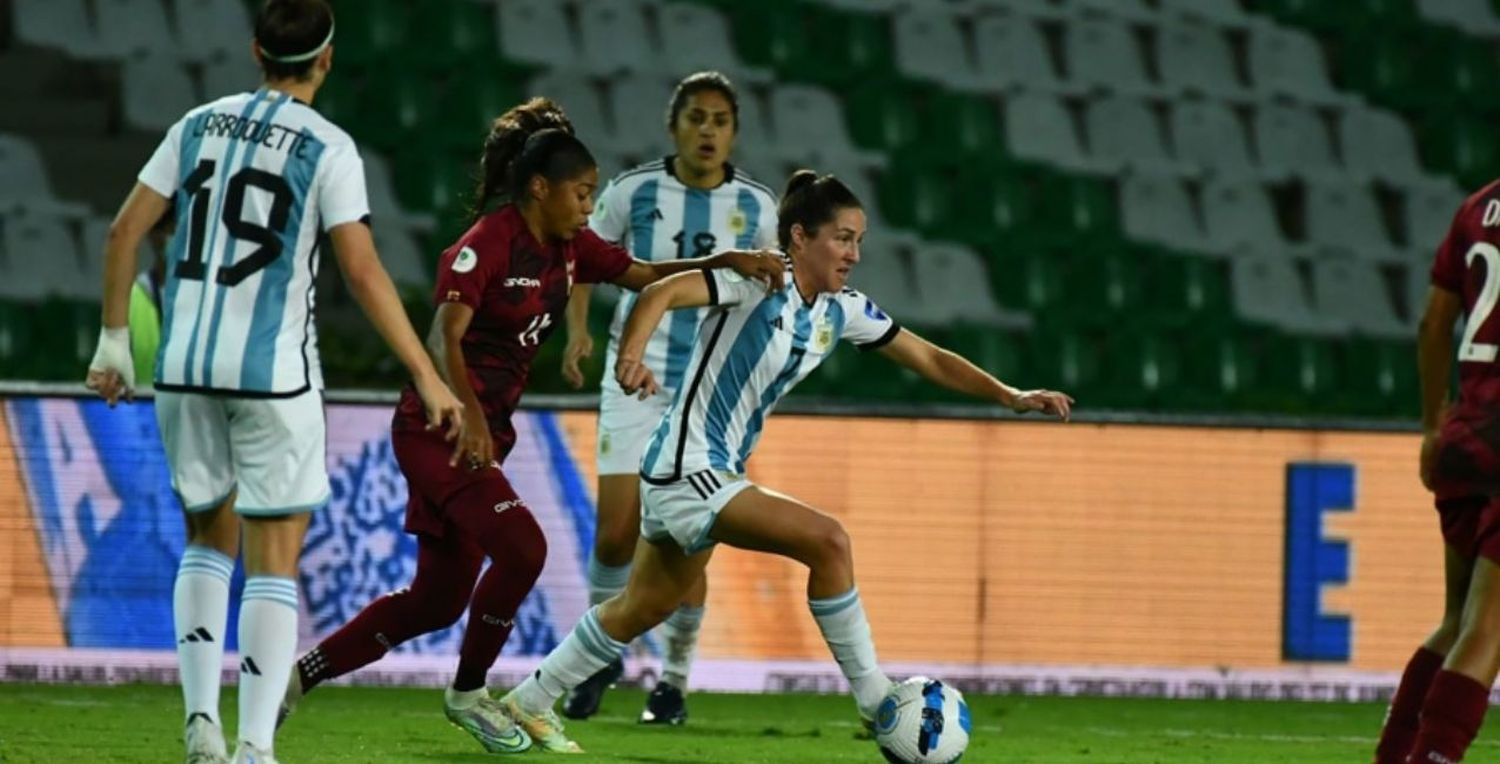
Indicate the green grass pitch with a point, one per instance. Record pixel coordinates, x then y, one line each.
140 723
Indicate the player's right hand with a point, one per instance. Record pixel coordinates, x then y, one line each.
1428 456
635 378
579 348
475 449
444 411
112 372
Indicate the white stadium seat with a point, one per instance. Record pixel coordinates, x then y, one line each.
1195 59
1290 62
210 29
1266 289
133 27
157 92
1239 215
536 32
1159 210
1351 291
1103 54
1123 131
1012 55
1346 216
1209 135
1292 141
24 183
1378 145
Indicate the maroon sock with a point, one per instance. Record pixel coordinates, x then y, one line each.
1450 719
517 550
445 574
1400 728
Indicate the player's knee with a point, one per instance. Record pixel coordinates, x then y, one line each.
614 541
831 545
434 609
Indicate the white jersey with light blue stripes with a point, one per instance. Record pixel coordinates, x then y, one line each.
657 217
752 348
256 179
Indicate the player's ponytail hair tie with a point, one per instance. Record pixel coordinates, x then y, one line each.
810 200
297 58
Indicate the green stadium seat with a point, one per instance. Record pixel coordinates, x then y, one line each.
1084 207
1379 379
475 96
339 102
1381 66
993 203
1143 370
370 30
453 33
1300 374
1107 284
851 47
1463 145
394 112
961 123
1189 288
1028 275
1219 371
997 352
1065 360
438 183
881 116
770 39
1471 69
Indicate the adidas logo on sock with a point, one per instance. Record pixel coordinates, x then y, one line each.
493 621
199 634
247 666
199 714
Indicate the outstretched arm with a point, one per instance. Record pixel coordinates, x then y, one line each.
763 265
955 372
684 290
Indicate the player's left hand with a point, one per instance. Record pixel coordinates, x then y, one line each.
579 348
112 372
764 265
1050 402
635 378
1428 456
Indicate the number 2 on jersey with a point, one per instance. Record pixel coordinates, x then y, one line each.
1470 350
193 267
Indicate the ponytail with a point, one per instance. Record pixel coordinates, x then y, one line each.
506 143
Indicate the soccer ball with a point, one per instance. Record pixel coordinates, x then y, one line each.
922 721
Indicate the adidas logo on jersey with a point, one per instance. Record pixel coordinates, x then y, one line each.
523 281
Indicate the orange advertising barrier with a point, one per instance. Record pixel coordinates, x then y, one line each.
1035 543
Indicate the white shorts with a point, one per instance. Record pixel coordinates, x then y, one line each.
625 427
272 450
684 511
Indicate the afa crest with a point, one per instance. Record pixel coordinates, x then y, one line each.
738 221
822 339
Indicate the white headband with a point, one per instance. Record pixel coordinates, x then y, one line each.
299 57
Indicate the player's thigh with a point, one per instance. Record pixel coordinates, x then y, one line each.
762 520
280 454
619 512
195 436
625 427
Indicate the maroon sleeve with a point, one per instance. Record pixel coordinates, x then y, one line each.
466 267
598 261
1448 266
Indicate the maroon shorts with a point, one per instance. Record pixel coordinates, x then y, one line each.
1471 525
423 457
1467 462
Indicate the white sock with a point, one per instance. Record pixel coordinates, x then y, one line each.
585 650
268 645
200 609
680 632
606 581
463 699
847 632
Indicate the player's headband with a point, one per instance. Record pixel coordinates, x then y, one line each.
297 58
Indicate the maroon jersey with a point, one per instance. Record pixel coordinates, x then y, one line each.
518 289
1468 264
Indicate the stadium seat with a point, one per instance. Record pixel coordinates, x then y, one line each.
133 28
1159 210
402 256
960 124
1289 62
885 274
1028 276
929 46
1378 145
381 189
1195 59
816 117
403 103
698 37
852 48
754 137
157 92
1468 68
1346 216
999 353
1124 132
1379 378
1352 291
1300 374
536 33
474 97
639 106
923 199
237 74
368 37
1475 17
954 278
1224 13
1266 290
1081 207
441 184
881 117
56 24
1417 282
1381 67
992 203
43 259
1189 288
1238 215
1110 286
1463 145
1039 128
1209 135
24 183
584 104
211 29
1036 9
1066 360
1292 141
1136 11
615 38
452 35
1011 54
1220 371
1144 369
1104 54
1428 212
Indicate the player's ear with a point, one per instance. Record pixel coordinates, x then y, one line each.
799 235
325 60
255 53
538 187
